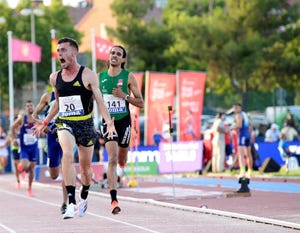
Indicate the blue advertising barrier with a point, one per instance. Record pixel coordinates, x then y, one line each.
151 153
8 168
140 154
264 149
270 149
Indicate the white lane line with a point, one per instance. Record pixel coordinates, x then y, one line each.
179 192
7 228
125 223
89 213
197 210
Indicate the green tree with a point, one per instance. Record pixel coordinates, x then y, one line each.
20 26
146 41
7 19
244 45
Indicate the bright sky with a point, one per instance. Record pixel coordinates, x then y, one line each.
13 3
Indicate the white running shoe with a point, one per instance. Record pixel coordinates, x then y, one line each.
82 207
70 211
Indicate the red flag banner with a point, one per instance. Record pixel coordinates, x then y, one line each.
190 102
25 51
102 48
54 53
160 93
135 114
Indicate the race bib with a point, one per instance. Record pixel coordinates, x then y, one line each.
114 104
70 106
29 139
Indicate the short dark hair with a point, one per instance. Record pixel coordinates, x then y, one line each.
73 43
238 104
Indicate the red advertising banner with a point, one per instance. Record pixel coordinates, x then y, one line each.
135 114
190 103
160 93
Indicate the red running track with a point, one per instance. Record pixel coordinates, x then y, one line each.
144 209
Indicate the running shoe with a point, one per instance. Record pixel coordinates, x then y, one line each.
115 207
63 208
82 207
70 211
30 193
18 185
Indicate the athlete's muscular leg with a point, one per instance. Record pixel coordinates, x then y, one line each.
67 143
30 174
249 160
16 162
122 156
64 190
54 172
241 154
25 163
85 160
112 177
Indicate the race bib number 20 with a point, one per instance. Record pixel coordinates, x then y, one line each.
70 106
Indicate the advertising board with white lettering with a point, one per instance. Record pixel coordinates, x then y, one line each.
180 157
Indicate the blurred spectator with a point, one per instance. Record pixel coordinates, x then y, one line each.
283 148
98 148
255 156
101 149
283 118
228 143
157 137
4 143
289 119
218 142
234 141
290 132
272 134
207 144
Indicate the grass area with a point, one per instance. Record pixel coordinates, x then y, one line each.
284 172
234 173
281 173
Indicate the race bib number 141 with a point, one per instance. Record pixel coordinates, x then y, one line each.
114 104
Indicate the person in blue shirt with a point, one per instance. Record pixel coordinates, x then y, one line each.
244 152
28 143
283 148
157 137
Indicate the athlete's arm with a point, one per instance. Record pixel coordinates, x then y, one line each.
54 108
39 126
44 101
17 123
93 83
133 87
